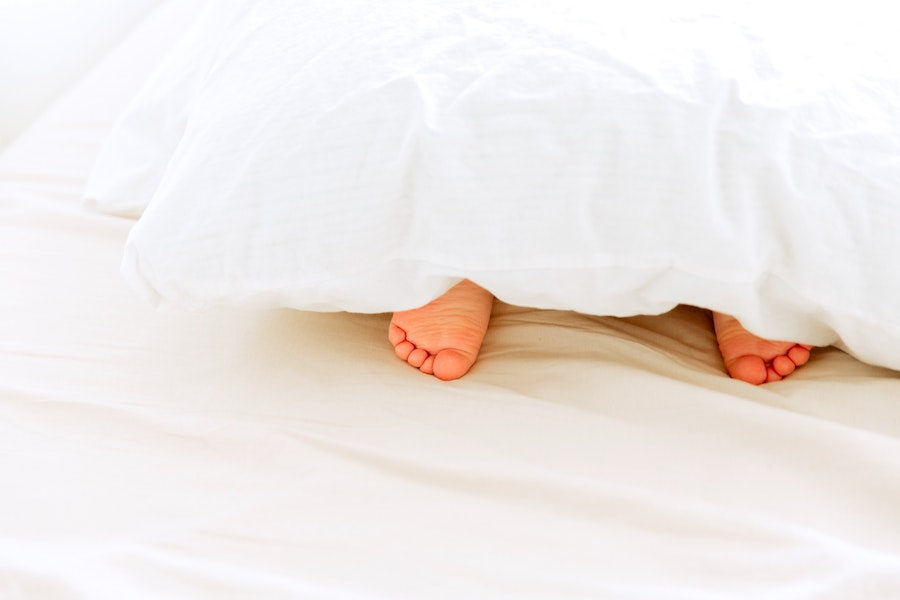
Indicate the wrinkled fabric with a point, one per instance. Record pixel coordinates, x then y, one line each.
275 453
365 157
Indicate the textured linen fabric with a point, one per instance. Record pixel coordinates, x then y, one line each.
282 454
132 161
365 157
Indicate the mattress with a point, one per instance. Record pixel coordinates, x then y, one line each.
283 454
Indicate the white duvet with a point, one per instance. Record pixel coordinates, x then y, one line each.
280 454
364 157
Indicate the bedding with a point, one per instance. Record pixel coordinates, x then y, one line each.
45 50
275 453
366 157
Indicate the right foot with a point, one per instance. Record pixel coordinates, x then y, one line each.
754 359
443 337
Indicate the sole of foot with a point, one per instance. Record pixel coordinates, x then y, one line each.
443 337
753 359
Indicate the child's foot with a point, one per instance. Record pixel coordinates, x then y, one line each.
754 359
443 337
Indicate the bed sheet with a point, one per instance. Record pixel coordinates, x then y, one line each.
281 454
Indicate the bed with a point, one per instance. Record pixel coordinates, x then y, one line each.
264 452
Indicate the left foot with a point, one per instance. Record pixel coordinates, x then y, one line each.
754 359
443 337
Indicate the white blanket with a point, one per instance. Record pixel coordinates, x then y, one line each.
281 454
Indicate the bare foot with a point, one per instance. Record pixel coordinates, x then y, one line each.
443 337
754 359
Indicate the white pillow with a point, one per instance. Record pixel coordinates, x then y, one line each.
350 155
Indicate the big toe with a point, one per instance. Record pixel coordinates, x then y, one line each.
749 368
452 364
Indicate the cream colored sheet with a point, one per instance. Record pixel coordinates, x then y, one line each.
281 454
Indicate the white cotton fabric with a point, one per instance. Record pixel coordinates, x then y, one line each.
366 156
281 454
131 163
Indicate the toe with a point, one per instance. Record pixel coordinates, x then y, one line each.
772 375
799 354
749 368
428 366
396 335
783 365
417 357
451 364
403 349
